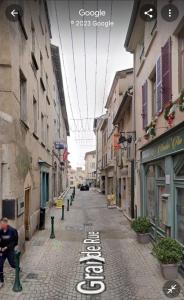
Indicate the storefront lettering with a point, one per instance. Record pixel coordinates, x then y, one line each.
168 146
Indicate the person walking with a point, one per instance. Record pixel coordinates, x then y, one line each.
8 242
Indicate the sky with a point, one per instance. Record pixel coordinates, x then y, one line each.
90 57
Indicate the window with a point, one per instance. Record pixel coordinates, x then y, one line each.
145 104
42 129
158 86
151 199
35 115
41 65
181 60
47 135
153 91
33 37
166 73
23 98
162 207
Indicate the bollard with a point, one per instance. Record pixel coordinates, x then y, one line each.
74 191
63 212
52 235
17 287
68 205
71 200
73 196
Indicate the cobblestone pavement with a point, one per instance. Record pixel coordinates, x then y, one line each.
51 268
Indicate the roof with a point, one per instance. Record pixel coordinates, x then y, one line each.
127 96
98 121
118 75
90 153
132 22
59 79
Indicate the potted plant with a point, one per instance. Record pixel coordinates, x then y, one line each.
142 227
170 253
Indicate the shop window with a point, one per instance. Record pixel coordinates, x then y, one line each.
162 207
180 214
161 169
179 166
151 199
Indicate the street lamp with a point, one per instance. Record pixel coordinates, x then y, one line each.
125 139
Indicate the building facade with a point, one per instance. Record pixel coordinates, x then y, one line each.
157 47
90 167
110 127
26 117
76 176
100 179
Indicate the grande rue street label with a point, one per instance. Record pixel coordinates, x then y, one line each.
93 281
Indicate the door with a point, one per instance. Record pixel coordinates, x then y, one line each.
179 232
26 214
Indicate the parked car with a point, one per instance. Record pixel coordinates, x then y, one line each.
84 187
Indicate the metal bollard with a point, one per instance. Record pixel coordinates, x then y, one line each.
68 204
63 212
17 287
52 235
71 200
74 191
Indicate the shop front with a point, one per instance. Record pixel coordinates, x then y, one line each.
162 180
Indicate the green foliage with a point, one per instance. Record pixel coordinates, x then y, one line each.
168 251
141 225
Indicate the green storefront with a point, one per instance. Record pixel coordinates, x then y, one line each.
162 180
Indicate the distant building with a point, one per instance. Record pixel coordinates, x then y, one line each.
90 167
76 176
100 179
117 119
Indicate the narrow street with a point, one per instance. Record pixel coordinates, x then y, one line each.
51 267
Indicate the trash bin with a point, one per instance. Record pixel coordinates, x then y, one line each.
42 218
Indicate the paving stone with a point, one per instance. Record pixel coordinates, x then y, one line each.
51 268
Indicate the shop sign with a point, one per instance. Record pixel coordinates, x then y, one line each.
59 145
167 146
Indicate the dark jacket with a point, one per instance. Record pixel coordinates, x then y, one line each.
9 238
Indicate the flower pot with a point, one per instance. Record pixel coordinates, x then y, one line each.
143 238
169 271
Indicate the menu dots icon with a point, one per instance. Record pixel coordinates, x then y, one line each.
169 12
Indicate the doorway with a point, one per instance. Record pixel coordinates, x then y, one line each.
26 214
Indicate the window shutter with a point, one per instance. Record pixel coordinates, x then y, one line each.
158 86
166 73
145 104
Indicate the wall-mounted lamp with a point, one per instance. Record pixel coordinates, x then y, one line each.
126 138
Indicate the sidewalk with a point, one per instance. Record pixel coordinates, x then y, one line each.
51 268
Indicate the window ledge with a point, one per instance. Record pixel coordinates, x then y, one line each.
42 84
34 60
35 135
24 123
43 144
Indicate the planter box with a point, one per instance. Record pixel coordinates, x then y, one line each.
143 238
169 271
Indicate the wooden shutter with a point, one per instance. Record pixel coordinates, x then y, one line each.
158 86
145 104
166 73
